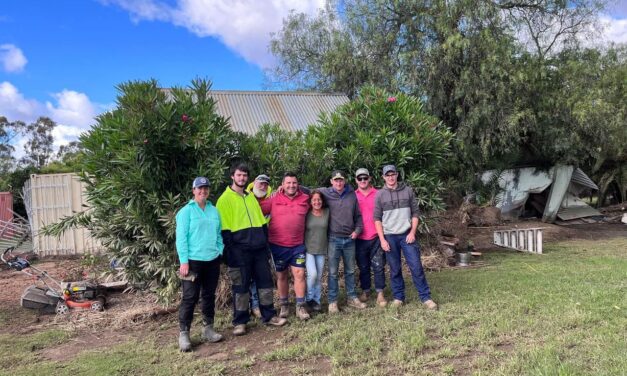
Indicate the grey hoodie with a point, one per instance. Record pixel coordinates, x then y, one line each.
395 208
344 213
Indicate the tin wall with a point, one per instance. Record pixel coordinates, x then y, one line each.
53 197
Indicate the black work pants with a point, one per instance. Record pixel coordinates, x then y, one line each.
246 265
207 274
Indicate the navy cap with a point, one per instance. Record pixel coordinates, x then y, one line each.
200 182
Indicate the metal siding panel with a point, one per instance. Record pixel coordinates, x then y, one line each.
580 177
6 206
53 197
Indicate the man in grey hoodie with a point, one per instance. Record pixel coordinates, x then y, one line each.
345 224
396 220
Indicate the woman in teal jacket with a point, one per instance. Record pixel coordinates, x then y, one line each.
199 246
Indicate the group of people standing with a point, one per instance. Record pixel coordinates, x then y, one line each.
301 228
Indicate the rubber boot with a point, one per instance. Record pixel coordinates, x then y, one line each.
209 335
185 344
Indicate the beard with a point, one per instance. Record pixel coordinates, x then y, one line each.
242 185
259 193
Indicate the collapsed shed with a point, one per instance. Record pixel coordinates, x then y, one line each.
553 193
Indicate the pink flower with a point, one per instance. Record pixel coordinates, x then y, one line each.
145 141
391 99
185 118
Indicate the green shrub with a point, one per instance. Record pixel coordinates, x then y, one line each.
139 163
371 131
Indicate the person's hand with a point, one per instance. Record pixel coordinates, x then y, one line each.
385 246
353 235
410 238
184 269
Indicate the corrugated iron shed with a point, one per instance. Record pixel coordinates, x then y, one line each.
292 110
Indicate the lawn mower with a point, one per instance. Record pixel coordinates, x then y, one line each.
49 295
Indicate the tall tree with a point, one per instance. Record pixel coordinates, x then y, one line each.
7 160
39 142
471 61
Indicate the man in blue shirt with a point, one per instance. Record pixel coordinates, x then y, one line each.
199 246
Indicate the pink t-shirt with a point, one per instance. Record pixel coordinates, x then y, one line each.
287 218
366 206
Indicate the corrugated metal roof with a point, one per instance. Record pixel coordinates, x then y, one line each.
581 178
292 110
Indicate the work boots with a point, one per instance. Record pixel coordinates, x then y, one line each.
185 344
381 299
285 311
301 312
356 303
364 297
209 335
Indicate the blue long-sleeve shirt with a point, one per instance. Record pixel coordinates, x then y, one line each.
198 233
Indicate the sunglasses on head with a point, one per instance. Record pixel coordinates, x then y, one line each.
363 178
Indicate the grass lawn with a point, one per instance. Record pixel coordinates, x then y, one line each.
561 313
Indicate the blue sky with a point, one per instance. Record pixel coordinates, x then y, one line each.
63 58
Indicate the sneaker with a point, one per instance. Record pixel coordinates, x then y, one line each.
381 299
333 308
277 321
431 305
185 344
301 312
209 335
364 297
239 330
397 303
356 303
257 312
285 311
316 307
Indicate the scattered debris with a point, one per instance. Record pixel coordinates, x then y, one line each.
529 239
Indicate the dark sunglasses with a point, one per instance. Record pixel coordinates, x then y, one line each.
390 174
363 178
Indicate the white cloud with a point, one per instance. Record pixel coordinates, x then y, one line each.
242 25
73 109
73 112
12 58
14 106
614 29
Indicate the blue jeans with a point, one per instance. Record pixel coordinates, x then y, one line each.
370 255
412 257
341 247
315 267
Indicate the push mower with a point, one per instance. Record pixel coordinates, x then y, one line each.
49 295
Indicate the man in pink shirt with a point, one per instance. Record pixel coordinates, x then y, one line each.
288 209
368 250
